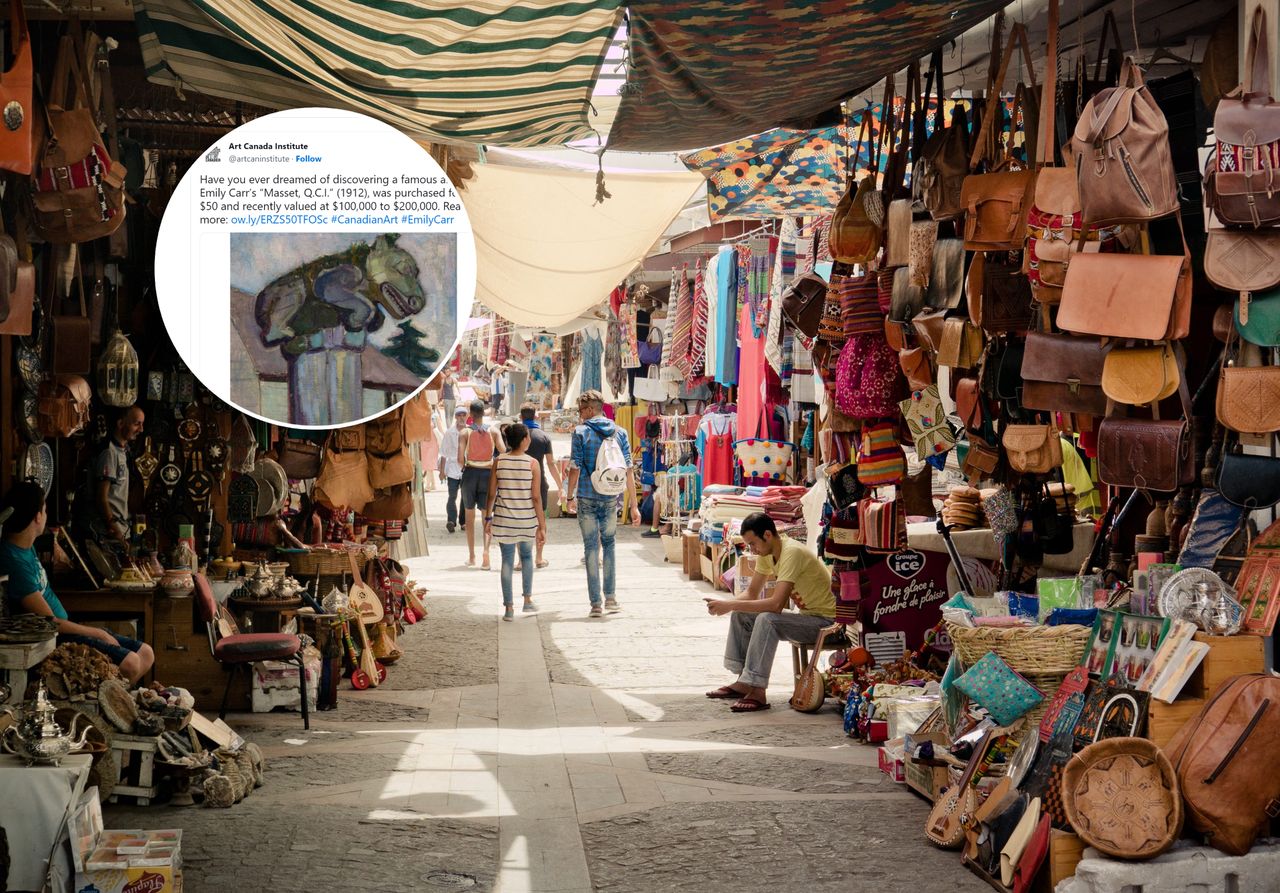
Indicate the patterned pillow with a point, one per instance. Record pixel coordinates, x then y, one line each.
994 685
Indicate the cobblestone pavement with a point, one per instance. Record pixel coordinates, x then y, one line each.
559 753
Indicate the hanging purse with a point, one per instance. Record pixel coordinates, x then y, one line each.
1243 260
1140 375
880 458
1248 395
1257 319
1004 303
898 240
392 504
17 137
389 459
344 478
803 302
299 458
1032 449
917 367
981 461
961 344
907 299
922 235
927 423
764 462
854 237
1148 454
944 159
64 405
1248 481
72 334
859 307
884 524
946 275
1063 373
843 540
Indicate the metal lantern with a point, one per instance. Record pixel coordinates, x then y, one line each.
118 372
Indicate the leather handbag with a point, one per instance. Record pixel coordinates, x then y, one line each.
981 461
897 242
810 690
389 459
1248 395
1243 260
929 326
1033 856
417 417
17 136
1148 454
1032 449
64 405
344 479
71 342
1140 375
946 275
77 189
392 504
854 237
961 343
348 438
1063 373
939 173
1004 371
1248 481
1005 299
17 320
803 303
1225 762
300 459
908 299
969 408
917 367
1144 296
1124 169
923 236
1240 180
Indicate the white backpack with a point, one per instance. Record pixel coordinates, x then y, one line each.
610 475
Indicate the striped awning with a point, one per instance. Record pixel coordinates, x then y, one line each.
503 72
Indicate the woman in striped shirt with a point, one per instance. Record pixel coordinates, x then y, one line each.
514 515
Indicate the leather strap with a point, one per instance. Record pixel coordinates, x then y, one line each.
1045 147
1257 66
1108 27
1018 36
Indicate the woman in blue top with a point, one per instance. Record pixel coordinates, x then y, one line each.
28 592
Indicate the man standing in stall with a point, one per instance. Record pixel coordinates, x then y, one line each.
110 481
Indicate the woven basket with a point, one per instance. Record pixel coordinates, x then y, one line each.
1032 651
318 561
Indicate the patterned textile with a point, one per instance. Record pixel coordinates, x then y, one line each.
766 63
698 328
613 358
758 292
500 349
498 72
540 366
628 346
592 357
859 304
682 328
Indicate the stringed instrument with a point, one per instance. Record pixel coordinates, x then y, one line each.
364 599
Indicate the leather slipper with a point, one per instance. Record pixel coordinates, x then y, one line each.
748 705
724 692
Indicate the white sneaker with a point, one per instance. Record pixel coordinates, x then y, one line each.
611 605
595 611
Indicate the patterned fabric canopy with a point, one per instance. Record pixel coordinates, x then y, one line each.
505 72
705 72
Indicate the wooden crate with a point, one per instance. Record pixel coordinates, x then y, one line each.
1065 852
692 556
136 758
1228 656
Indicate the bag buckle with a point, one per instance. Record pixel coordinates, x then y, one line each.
1273 809
1073 387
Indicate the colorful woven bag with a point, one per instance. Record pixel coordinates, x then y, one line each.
764 462
880 459
868 379
859 305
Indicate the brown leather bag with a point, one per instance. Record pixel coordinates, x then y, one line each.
968 397
1004 303
1143 296
64 403
803 302
71 344
300 459
77 190
854 237
1063 373
944 160
981 462
1225 761
17 136
1140 375
392 504
946 275
929 326
1242 259
1032 449
344 479
1124 170
1241 183
417 418
1148 454
389 460
1248 392
21 302
961 344
917 367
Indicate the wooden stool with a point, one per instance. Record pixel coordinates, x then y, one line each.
136 759
800 651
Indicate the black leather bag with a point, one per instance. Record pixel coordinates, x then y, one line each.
1007 301
1251 482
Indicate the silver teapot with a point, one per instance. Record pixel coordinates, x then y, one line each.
36 737
262 583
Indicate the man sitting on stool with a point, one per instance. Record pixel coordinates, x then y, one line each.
758 621
28 590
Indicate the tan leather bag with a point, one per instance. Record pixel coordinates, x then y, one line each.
417 418
1032 449
1124 170
389 460
897 240
1133 771
17 136
961 344
344 479
1224 758
1248 392
922 235
1140 375
1243 260
64 403
854 237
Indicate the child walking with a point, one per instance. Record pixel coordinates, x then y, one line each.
515 515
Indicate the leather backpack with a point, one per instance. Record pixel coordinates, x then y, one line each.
1224 758
17 140
1124 169
389 460
944 157
77 192
1242 180
855 236
64 403
803 303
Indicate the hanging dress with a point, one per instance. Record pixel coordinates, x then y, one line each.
717 435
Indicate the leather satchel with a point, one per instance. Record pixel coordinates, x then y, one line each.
1143 296
969 404
389 459
1146 454
64 403
961 344
1140 375
17 136
929 326
898 239
803 302
1248 481
908 299
1032 449
1005 302
1248 395
1241 180
946 275
300 459
1063 373
917 367
1243 260
392 504
1257 319
1124 169
981 462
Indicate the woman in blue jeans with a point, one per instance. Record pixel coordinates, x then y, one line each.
514 514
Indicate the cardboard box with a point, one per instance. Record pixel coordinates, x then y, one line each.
122 861
891 760
922 778
692 552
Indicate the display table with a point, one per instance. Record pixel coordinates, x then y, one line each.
981 544
263 615
109 604
37 800
15 660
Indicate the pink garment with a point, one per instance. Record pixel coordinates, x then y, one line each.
717 460
751 366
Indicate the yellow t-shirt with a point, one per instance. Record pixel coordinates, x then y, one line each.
809 577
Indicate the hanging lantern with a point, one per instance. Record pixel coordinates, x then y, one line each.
118 372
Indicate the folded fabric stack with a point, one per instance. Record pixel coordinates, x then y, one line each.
963 508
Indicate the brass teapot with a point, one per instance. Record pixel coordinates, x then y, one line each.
36 737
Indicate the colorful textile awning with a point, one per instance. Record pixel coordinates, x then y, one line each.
504 72
705 72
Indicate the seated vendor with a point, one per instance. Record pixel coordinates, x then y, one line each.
759 621
28 592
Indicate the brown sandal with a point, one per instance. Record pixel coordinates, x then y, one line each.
749 705
724 692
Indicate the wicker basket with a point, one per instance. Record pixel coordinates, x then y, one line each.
327 562
1032 651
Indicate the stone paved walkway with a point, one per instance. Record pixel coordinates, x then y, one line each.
559 753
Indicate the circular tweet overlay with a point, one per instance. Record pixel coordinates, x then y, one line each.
315 268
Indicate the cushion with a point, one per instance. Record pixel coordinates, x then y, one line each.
255 646
995 686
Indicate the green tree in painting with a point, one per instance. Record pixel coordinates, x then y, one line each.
407 349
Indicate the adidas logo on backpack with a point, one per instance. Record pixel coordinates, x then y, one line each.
610 475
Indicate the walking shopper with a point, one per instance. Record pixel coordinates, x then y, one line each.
450 469
541 450
514 515
600 473
758 620
476 452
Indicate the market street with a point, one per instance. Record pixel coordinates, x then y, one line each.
558 753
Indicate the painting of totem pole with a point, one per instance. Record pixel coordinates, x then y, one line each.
332 328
